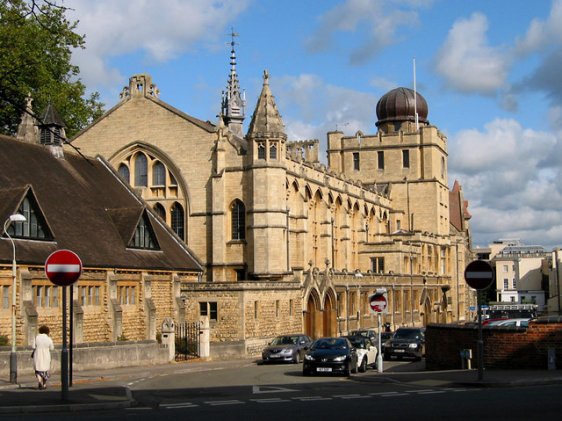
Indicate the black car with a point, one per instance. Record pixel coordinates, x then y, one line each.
330 356
407 342
286 348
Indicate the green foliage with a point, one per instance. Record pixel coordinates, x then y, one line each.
4 340
122 338
36 43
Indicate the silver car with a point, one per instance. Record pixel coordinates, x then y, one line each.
286 348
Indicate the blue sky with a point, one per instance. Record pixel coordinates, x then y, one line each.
489 70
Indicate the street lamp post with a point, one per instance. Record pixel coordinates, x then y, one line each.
13 354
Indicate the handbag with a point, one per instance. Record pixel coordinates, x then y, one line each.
32 353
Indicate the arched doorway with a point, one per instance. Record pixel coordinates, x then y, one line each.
311 316
329 317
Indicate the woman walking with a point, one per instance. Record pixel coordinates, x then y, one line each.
42 347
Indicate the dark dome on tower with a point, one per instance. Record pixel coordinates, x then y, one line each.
398 106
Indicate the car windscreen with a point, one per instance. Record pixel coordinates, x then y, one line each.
358 342
330 344
407 334
284 340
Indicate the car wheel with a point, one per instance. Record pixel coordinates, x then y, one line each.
363 366
347 370
297 358
354 368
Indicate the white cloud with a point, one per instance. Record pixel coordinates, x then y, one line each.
158 30
378 24
511 191
542 33
467 62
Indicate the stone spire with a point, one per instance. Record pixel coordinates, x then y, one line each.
27 129
233 101
266 121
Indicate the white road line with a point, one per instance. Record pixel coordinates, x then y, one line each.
218 403
383 393
419 390
311 398
430 392
270 400
139 408
178 405
353 396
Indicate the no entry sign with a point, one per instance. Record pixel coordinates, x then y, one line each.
378 301
63 267
479 274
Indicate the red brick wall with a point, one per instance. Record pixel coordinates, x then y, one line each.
504 347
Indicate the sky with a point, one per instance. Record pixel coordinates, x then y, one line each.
489 70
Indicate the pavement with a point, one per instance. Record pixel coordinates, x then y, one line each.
109 389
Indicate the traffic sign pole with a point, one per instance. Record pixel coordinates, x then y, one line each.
64 352
479 275
63 268
379 356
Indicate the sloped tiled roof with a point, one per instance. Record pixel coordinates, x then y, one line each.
88 209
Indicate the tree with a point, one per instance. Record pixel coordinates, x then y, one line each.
36 43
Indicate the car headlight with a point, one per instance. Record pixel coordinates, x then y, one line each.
340 358
413 345
286 352
309 357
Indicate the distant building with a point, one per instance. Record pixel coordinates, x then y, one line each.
520 275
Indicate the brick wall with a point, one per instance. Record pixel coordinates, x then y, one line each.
504 347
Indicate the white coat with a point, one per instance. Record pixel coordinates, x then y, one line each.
42 345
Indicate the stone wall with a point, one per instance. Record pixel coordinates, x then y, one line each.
504 347
92 356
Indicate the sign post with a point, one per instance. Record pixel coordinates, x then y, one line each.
63 268
479 275
378 303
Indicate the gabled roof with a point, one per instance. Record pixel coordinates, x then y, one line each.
88 209
205 125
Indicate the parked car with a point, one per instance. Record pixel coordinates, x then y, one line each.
286 348
385 336
510 322
407 342
366 352
372 334
330 355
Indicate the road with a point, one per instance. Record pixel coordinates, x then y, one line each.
279 392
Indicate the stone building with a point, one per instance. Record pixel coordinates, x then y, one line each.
133 264
288 243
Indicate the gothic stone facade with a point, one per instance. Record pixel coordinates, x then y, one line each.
290 244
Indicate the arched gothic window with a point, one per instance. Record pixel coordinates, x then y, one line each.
158 174
273 151
178 224
238 218
159 209
141 170
124 173
261 151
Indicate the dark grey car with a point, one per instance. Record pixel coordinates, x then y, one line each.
407 342
286 348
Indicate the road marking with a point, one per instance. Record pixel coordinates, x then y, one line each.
218 403
352 396
178 405
270 389
419 390
430 392
270 400
311 398
387 394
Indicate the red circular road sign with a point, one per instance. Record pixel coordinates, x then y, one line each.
63 267
378 302
479 274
